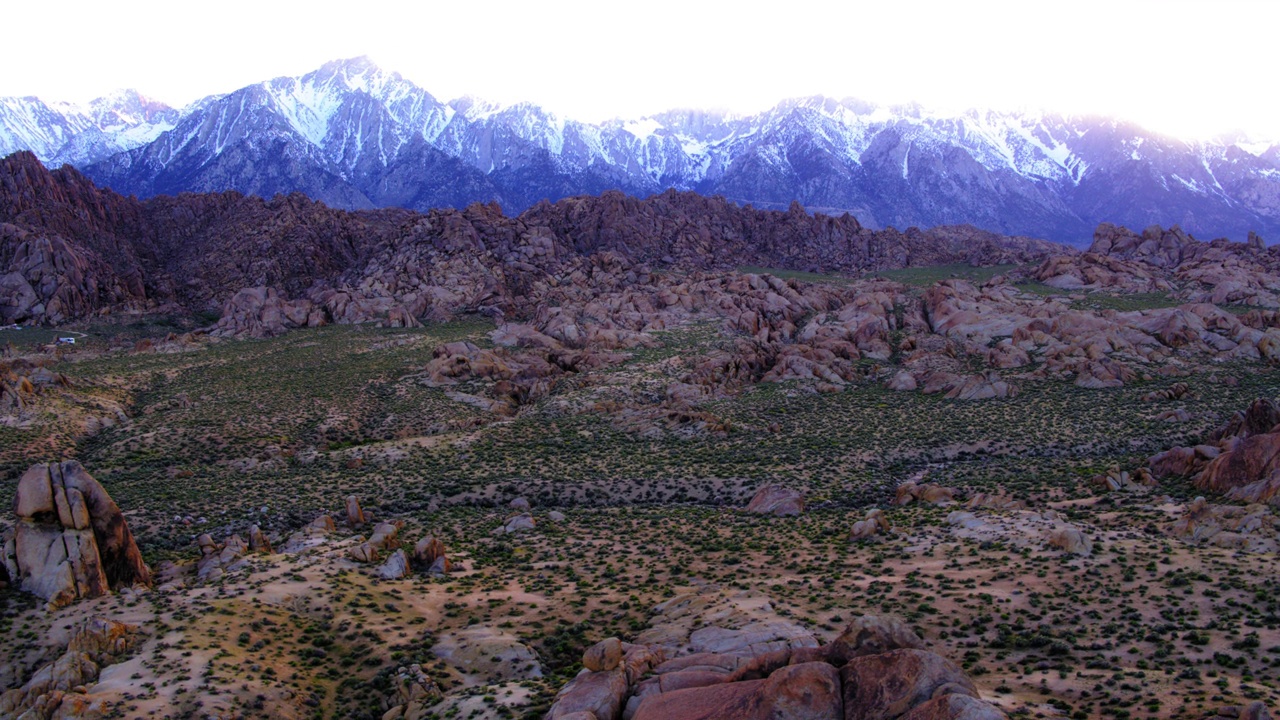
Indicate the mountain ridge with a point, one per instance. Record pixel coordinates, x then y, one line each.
70 250
356 136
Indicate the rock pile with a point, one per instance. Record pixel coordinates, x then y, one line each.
929 493
58 690
743 662
71 541
1241 461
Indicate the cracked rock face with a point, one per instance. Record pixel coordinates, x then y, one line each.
71 540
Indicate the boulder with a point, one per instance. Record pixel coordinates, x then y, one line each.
777 500
888 685
396 566
355 516
518 523
71 541
1070 540
415 694
873 524
902 381
604 655
313 534
930 493
386 536
429 555
1248 472
872 635
258 541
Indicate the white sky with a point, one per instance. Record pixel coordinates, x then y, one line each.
1187 68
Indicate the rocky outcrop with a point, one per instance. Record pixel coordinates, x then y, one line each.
69 249
929 493
58 690
1070 540
71 541
415 694
1243 461
873 524
385 536
777 500
1254 528
314 534
217 559
874 669
429 556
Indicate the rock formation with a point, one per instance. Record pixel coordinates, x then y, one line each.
429 556
873 524
931 493
57 690
386 536
709 655
1243 461
71 541
776 500
69 249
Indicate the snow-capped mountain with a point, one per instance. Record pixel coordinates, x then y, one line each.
356 136
64 133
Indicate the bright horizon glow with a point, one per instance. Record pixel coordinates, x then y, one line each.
1191 69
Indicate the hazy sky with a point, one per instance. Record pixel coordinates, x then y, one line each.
1187 68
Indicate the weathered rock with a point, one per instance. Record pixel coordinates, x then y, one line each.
518 523
219 559
600 694
520 504
415 694
902 381
71 541
1248 472
396 566
258 541
872 635
955 706
429 555
57 690
930 493
604 655
874 523
806 691
887 685
386 536
777 500
314 534
355 516
1070 539
487 654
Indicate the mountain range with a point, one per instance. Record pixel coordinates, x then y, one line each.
355 136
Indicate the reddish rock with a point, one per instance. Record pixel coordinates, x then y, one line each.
1250 472
807 691
777 500
885 686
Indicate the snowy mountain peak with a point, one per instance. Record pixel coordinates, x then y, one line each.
356 135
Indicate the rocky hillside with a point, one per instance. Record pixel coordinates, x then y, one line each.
71 249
